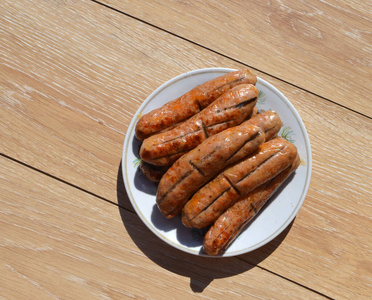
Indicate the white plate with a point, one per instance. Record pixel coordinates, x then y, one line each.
273 218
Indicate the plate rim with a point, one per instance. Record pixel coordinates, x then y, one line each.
126 146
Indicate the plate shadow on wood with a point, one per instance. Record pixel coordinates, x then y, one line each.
201 270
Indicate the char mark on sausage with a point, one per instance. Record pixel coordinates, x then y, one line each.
176 183
259 167
196 168
205 129
232 184
243 104
242 146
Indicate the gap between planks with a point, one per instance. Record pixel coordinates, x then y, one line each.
229 57
132 211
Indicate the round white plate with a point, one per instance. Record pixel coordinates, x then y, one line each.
273 218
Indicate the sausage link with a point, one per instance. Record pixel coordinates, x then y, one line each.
269 121
209 202
227 111
230 224
199 165
153 173
190 103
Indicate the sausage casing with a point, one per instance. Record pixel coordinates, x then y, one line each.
268 121
153 173
229 110
198 166
190 103
229 225
209 202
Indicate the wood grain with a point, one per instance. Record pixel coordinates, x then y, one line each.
68 97
60 242
71 69
321 46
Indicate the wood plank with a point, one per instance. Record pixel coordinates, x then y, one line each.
322 46
93 88
88 65
60 242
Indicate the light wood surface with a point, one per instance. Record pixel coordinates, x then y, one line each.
60 242
323 47
72 75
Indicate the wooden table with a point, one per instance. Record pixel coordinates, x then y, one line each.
73 73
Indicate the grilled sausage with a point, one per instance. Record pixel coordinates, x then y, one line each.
230 224
189 104
227 111
153 173
198 166
269 121
209 202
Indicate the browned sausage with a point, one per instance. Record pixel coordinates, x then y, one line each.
209 202
227 111
153 173
229 225
190 103
269 121
198 166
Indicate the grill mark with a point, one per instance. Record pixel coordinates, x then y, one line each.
229 83
179 137
232 185
175 184
196 168
199 105
222 232
237 106
216 198
239 227
253 207
215 125
210 204
244 103
260 166
246 142
237 231
270 128
204 129
211 153
170 155
232 236
234 81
